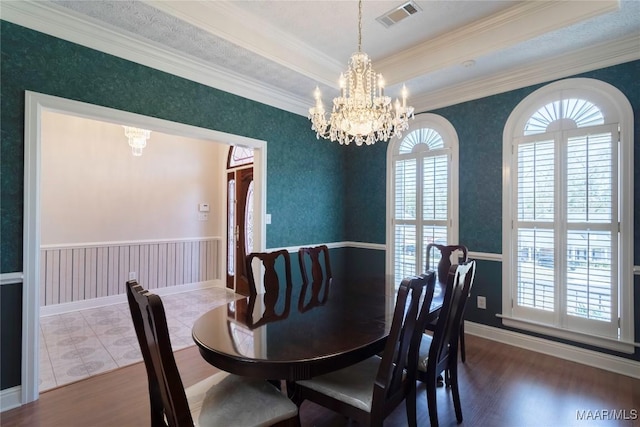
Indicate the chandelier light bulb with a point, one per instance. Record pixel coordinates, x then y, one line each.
343 84
405 93
380 85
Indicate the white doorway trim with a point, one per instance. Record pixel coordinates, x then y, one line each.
35 105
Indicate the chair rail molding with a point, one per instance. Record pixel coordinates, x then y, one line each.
381 247
334 245
11 278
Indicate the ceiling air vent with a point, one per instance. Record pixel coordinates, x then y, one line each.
401 12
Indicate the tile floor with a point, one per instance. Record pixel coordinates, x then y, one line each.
79 344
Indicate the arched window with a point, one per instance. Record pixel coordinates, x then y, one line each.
422 194
568 206
239 156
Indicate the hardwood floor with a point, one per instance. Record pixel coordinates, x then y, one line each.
500 385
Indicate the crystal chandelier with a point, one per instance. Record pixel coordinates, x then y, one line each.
362 113
137 139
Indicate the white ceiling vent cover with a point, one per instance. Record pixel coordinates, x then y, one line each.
401 12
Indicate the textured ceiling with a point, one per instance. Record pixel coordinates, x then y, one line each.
289 47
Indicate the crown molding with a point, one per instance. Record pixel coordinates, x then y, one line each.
232 23
581 61
496 32
42 17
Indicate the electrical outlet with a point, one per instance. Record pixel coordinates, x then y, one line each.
132 275
482 302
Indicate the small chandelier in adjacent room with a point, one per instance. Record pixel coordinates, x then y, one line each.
137 139
362 113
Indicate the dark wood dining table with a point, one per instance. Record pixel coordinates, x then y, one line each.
303 336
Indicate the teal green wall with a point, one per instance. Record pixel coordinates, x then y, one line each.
479 124
304 176
365 193
316 191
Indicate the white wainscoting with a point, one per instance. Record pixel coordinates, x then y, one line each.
72 273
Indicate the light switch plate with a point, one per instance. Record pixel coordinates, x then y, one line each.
482 302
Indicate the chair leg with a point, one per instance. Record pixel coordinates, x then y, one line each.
293 393
463 355
455 393
411 407
431 402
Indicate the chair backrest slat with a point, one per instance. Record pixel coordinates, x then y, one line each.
317 260
277 294
445 263
392 380
318 273
166 391
270 261
445 336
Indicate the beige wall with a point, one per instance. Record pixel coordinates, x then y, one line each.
95 190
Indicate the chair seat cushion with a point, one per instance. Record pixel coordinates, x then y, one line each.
352 385
423 354
224 400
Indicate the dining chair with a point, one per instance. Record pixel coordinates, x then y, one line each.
459 253
272 262
438 353
371 389
277 293
315 260
219 400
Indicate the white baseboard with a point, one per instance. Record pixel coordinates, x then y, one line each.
596 359
51 310
10 398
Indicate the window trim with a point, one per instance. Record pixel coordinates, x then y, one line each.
612 103
450 140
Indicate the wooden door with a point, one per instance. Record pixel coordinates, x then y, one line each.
239 227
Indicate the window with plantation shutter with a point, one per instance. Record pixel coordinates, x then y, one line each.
567 259
423 193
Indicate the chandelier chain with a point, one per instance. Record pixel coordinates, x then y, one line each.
360 26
